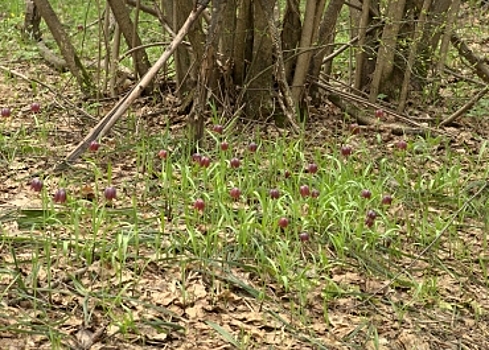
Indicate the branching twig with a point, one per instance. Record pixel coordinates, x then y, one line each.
52 90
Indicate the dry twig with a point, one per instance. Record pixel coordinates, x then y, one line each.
119 109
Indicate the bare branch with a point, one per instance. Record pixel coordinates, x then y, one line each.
111 118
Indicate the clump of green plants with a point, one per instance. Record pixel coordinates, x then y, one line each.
286 211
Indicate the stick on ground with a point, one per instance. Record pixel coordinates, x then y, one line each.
115 113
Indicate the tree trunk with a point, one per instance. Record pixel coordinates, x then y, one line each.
302 65
186 61
284 94
385 56
131 36
291 35
226 46
67 50
436 19
208 73
243 43
367 49
326 36
402 29
259 78
32 20
418 32
362 35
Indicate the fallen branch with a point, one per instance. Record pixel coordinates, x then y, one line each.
481 69
118 110
51 58
338 98
448 120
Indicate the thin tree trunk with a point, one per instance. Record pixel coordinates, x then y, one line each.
285 100
387 50
432 32
114 56
186 61
134 34
32 20
291 35
302 66
317 19
67 50
185 76
418 33
207 76
243 42
362 30
259 76
226 48
326 36
121 14
228 30
445 43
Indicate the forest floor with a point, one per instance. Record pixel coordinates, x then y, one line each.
390 253
134 286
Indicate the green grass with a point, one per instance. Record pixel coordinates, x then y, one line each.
153 222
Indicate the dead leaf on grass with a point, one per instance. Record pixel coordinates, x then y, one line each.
195 292
85 338
197 312
372 285
379 344
163 298
407 340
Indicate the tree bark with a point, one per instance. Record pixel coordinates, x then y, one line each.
32 20
436 21
121 14
243 43
385 59
226 46
285 100
67 50
418 32
362 30
259 77
187 62
302 66
326 36
445 43
206 87
291 35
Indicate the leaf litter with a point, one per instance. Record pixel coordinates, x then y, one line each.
141 299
